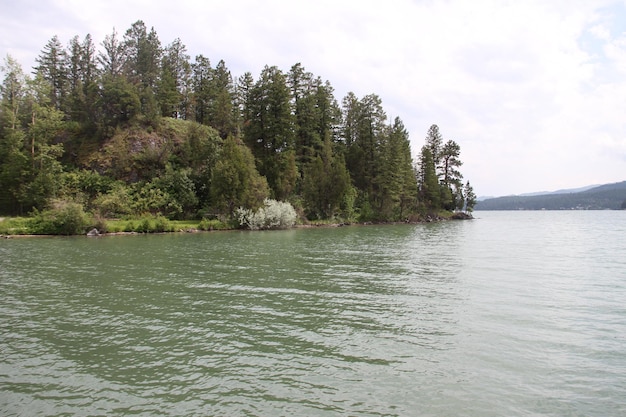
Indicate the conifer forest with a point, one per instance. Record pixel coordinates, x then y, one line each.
133 127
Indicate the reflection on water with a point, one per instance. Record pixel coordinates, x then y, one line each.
458 318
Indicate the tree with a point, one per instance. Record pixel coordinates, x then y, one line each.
82 76
141 66
113 59
450 176
12 91
429 190
143 55
315 113
434 142
173 84
270 131
235 181
118 102
470 198
52 68
221 112
396 187
326 183
242 97
364 129
201 78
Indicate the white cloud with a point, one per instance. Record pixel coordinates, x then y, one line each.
532 91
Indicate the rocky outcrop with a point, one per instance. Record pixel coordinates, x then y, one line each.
93 232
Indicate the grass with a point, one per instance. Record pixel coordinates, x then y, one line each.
148 224
14 226
144 224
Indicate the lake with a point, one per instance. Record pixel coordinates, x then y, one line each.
510 314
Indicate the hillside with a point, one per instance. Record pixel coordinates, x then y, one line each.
608 196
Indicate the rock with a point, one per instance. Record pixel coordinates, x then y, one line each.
93 232
461 216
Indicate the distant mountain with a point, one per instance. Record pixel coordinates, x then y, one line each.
564 191
599 197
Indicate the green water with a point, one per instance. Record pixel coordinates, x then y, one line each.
509 314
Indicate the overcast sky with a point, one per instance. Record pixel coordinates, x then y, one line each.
533 91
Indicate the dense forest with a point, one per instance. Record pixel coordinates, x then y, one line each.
136 127
603 197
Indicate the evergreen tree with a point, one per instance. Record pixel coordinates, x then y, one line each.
396 190
470 198
364 128
270 131
202 73
451 177
242 114
235 181
221 112
142 64
118 102
434 142
12 92
113 59
172 86
429 191
326 183
82 80
52 68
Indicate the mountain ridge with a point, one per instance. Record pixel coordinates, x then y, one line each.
610 196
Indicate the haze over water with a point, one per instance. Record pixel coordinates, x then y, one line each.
514 313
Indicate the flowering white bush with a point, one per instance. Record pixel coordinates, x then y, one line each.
273 215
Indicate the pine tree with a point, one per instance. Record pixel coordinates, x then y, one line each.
172 86
451 185
429 190
201 79
270 131
235 181
52 68
113 59
470 198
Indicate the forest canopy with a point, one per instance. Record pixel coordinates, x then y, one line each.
135 126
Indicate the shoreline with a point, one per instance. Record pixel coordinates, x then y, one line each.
91 233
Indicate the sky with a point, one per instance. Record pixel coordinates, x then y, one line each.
534 92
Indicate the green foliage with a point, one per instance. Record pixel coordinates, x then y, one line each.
119 103
64 218
270 134
214 224
235 181
15 226
116 202
136 128
470 198
326 184
430 196
144 224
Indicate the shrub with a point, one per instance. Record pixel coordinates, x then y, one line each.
64 218
273 215
14 226
149 224
215 224
130 226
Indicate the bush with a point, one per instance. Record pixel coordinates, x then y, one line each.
64 218
149 224
14 226
273 215
215 224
